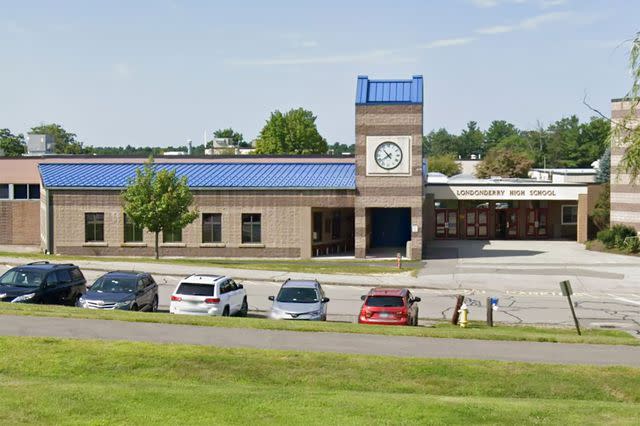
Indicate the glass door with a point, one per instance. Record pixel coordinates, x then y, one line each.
512 223
446 223
471 222
483 223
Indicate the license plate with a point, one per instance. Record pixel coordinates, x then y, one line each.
385 315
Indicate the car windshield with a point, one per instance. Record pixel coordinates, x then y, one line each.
22 278
385 301
298 295
114 285
196 289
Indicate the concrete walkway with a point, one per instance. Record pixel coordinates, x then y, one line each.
553 353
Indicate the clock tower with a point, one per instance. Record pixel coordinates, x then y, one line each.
389 168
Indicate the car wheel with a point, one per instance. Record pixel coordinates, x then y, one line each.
154 305
225 312
76 302
244 309
134 307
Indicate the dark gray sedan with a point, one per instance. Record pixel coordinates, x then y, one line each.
130 291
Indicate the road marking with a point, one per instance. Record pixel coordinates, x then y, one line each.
624 299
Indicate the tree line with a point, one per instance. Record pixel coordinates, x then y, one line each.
511 152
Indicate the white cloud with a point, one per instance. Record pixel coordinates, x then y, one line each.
497 29
545 4
447 42
494 3
306 44
386 56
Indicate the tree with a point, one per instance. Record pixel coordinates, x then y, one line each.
604 167
12 145
593 140
65 142
516 143
497 131
626 131
470 141
341 148
294 132
158 200
237 138
504 163
445 164
439 142
562 149
600 214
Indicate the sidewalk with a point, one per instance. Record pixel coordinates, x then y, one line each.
365 344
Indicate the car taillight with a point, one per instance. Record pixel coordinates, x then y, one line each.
401 314
176 298
367 313
212 300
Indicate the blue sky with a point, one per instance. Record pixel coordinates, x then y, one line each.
161 72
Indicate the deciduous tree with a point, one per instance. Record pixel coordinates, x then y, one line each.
294 132
65 142
158 200
504 163
12 145
445 164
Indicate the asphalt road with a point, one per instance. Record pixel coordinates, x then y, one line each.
554 353
606 309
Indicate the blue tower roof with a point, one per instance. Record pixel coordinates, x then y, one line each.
376 92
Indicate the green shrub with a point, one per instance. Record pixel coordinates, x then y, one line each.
632 245
617 236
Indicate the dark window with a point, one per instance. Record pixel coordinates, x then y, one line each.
76 274
195 289
225 287
34 191
335 229
385 301
317 226
211 227
93 227
251 228
20 192
298 295
63 276
172 235
4 191
132 232
569 215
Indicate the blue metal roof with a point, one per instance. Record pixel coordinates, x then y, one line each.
206 175
389 91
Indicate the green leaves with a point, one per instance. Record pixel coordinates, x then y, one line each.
158 200
65 142
445 164
294 132
505 163
12 145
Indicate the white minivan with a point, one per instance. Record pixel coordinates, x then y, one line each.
209 295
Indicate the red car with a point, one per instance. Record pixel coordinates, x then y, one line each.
391 306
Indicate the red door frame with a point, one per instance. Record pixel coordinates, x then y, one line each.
476 214
534 226
446 227
512 224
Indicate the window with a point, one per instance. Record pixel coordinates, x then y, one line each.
317 226
20 192
251 228
132 232
93 227
211 227
195 289
172 235
63 276
569 215
34 191
4 191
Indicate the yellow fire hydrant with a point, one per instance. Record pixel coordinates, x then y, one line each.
464 315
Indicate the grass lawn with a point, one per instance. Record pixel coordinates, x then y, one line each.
441 329
319 266
58 381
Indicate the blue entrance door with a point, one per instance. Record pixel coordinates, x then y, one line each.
390 227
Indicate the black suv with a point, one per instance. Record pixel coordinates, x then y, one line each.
131 291
43 282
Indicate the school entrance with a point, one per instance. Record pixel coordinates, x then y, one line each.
390 231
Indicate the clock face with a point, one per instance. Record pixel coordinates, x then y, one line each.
388 155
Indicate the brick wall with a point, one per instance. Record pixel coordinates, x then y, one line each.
388 191
625 195
20 222
285 222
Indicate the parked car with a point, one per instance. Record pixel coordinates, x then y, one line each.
129 291
43 282
300 300
209 295
393 306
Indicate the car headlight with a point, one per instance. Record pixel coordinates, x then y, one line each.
3 295
23 298
82 301
276 313
123 304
